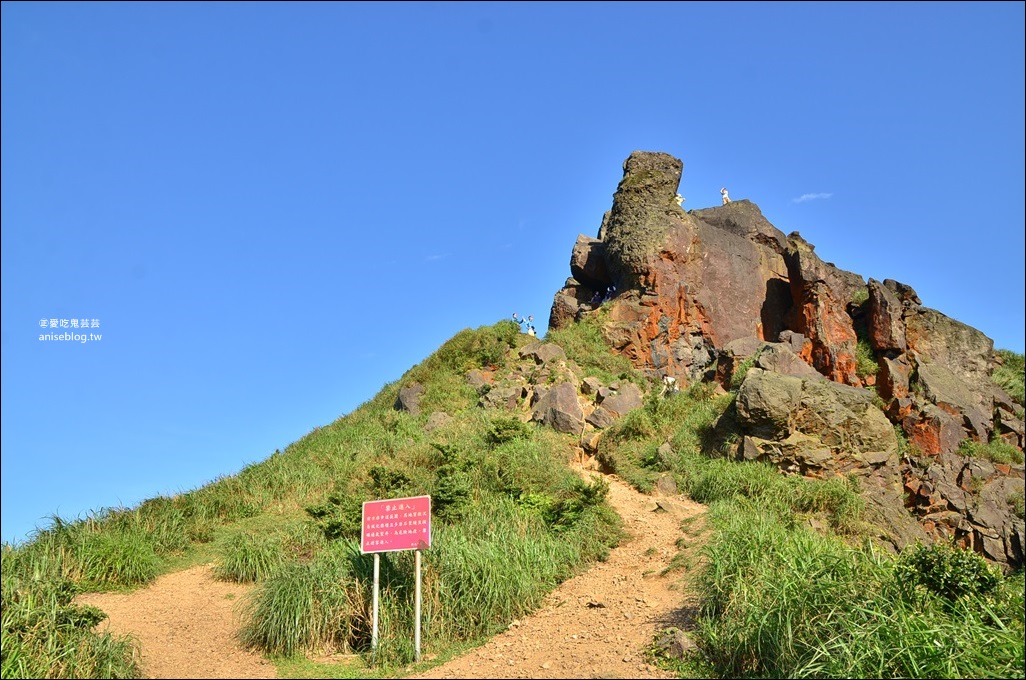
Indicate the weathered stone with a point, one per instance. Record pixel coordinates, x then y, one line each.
778 358
600 418
844 418
961 349
477 378
622 398
796 341
675 643
892 378
933 430
505 397
542 352
666 485
590 386
733 355
409 399
588 263
895 526
766 403
943 388
436 420
590 441
885 325
821 294
905 293
559 409
564 311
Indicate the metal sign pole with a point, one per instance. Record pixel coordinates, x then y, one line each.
374 615
389 525
416 607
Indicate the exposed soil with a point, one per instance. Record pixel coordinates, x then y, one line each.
596 625
186 624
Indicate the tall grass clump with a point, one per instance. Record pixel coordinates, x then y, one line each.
1010 374
45 634
117 558
996 451
307 606
866 363
488 572
783 601
246 558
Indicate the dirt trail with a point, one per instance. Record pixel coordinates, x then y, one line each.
596 625
186 625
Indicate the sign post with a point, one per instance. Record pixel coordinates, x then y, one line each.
391 525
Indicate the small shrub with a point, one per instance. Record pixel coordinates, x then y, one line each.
636 425
340 517
947 571
388 481
865 360
571 505
453 493
1018 504
507 428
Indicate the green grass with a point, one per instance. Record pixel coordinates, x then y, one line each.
584 345
785 602
1010 374
511 522
995 451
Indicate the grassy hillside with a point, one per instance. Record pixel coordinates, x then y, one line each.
510 522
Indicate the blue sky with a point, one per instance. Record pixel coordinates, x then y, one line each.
272 210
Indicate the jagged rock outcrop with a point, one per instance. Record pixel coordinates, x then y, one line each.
702 294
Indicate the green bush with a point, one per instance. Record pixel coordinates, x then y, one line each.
453 493
45 634
507 428
341 515
947 571
865 360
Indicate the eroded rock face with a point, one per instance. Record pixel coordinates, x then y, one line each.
699 293
816 427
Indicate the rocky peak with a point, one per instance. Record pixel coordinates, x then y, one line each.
695 294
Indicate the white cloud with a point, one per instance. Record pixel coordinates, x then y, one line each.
809 197
432 258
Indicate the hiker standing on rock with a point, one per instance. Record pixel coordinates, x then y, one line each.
726 198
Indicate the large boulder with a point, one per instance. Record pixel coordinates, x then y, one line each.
559 409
